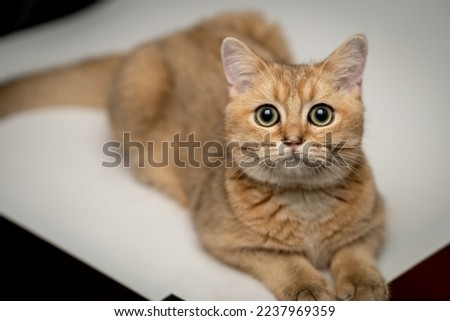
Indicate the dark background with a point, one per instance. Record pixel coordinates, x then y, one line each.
20 14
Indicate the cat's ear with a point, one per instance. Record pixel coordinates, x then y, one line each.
241 65
346 64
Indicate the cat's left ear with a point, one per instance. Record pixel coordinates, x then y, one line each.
241 65
346 64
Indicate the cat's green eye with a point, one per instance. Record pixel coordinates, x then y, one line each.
267 115
321 115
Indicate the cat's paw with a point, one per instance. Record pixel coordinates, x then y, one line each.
318 290
316 293
362 287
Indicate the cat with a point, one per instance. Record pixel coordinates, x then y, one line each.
295 193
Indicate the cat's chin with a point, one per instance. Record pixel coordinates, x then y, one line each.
299 177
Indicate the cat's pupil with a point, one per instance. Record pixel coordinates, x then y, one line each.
321 114
267 115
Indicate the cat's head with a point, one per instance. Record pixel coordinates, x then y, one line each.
295 124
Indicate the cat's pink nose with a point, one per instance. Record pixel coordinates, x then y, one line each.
293 141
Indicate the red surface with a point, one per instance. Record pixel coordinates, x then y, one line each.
428 281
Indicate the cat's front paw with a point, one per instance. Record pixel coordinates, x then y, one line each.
316 293
362 287
310 290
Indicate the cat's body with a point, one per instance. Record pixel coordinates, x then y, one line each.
279 224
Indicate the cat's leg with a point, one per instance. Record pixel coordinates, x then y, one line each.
288 276
140 91
356 273
139 110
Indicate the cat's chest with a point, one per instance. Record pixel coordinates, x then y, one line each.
306 207
299 209
288 220
302 224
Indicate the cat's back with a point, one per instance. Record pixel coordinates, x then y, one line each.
196 51
180 77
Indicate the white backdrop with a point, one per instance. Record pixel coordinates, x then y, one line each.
52 182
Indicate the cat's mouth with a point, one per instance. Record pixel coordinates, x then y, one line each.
299 162
296 157
294 167
280 157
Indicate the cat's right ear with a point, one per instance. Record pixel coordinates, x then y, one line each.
241 65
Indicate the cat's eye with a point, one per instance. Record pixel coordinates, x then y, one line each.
267 115
321 115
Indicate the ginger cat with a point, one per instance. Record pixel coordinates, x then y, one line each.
293 194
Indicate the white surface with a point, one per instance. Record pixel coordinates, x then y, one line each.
52 181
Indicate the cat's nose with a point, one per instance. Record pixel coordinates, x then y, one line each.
293 141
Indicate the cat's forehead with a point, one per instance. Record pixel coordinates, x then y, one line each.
294 86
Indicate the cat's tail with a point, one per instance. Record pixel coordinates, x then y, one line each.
85 83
